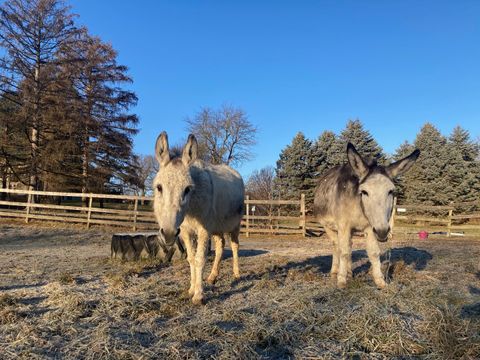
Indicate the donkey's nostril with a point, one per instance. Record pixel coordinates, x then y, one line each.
169 235
381 234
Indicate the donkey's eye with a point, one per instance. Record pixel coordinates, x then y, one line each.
159 188
364 193
390 193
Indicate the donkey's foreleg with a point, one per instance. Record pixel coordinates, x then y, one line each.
191 260
332 235
373 251
234 244
219 245
202 240
345 254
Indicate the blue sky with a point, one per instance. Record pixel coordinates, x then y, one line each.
297 65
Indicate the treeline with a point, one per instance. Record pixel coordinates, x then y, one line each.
65 119
448 169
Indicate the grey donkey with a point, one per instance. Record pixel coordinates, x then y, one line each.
196 199
358 196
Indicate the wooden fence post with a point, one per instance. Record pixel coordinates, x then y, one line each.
29 201
303 215
89 212
449 225
135 208
278 219
247 214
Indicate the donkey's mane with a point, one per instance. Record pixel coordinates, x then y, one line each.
376 169
175 154
347 180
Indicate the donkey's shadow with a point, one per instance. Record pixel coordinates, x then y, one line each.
409 255
322 264
227 253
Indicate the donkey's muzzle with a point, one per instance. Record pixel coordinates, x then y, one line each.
381 234
170 236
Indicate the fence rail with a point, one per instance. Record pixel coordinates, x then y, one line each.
278 217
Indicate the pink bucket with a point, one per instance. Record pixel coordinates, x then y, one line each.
423 235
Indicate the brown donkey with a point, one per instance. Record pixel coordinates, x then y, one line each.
193 198
358 196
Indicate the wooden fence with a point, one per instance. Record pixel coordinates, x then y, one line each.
126 211
122 211
442 220
273 222
273 217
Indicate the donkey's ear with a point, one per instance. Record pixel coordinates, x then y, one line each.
359 166
401 166
190 150
162 152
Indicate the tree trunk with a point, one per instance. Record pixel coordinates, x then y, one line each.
86 146
85 173
34 149
35 134
4 184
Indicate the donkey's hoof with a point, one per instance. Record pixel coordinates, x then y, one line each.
212 280
198 300
236 276
381 284
191 292
342 284
333 279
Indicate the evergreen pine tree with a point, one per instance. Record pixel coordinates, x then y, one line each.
402 151
295 173
324 152
361 139
426 182
463 169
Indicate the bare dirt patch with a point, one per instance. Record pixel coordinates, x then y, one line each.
61 296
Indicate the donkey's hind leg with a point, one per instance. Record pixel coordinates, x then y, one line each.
349 262
219 245
234 244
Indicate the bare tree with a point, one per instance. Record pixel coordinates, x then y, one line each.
32 32
261 184
224 136
147 168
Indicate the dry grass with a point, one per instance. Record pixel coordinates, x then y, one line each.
284 306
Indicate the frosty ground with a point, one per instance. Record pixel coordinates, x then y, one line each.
62 297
